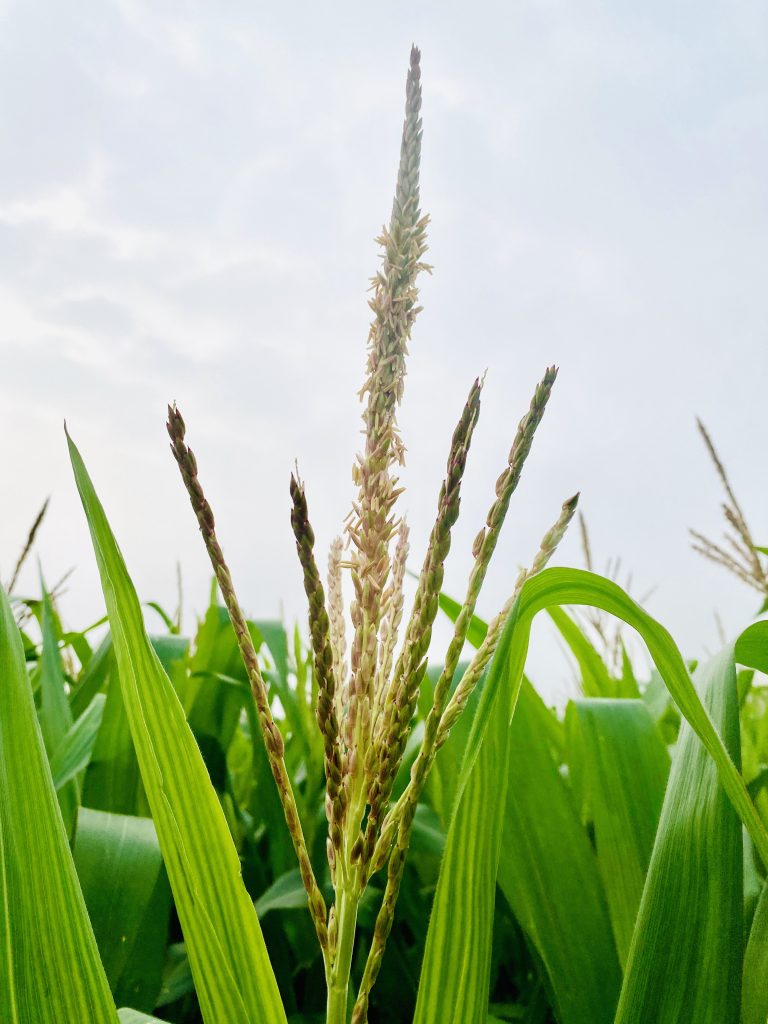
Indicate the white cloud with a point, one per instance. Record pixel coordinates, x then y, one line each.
187 204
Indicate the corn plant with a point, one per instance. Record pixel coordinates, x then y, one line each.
611 852
365 709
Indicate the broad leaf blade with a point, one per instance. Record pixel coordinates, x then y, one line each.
684 963
576 586
233 977
49 964
623 765
126 890
549 875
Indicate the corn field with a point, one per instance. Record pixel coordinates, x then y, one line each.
262 823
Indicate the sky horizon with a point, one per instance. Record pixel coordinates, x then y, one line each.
188 201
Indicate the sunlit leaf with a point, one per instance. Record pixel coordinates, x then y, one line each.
689 925
49 964
233 977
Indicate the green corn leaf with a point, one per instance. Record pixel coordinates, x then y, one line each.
549 875
55 714
578 587
455 971
92 678
547 871
265 806
177 977
286 893
49 964
752 647
233 977
754 993
622 764
168 621
454 980
113 781
684 963
629 684
595 678
126 891
273 633
477 628
74 752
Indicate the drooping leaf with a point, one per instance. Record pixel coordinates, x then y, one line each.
455 973
233 977
578 587
49 963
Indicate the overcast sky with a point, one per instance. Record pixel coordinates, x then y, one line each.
188 199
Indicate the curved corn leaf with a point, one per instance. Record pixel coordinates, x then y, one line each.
576 586
455 971
233 977
547 871
622 767
684 964
49 964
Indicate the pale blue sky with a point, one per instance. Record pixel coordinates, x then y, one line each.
188 197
